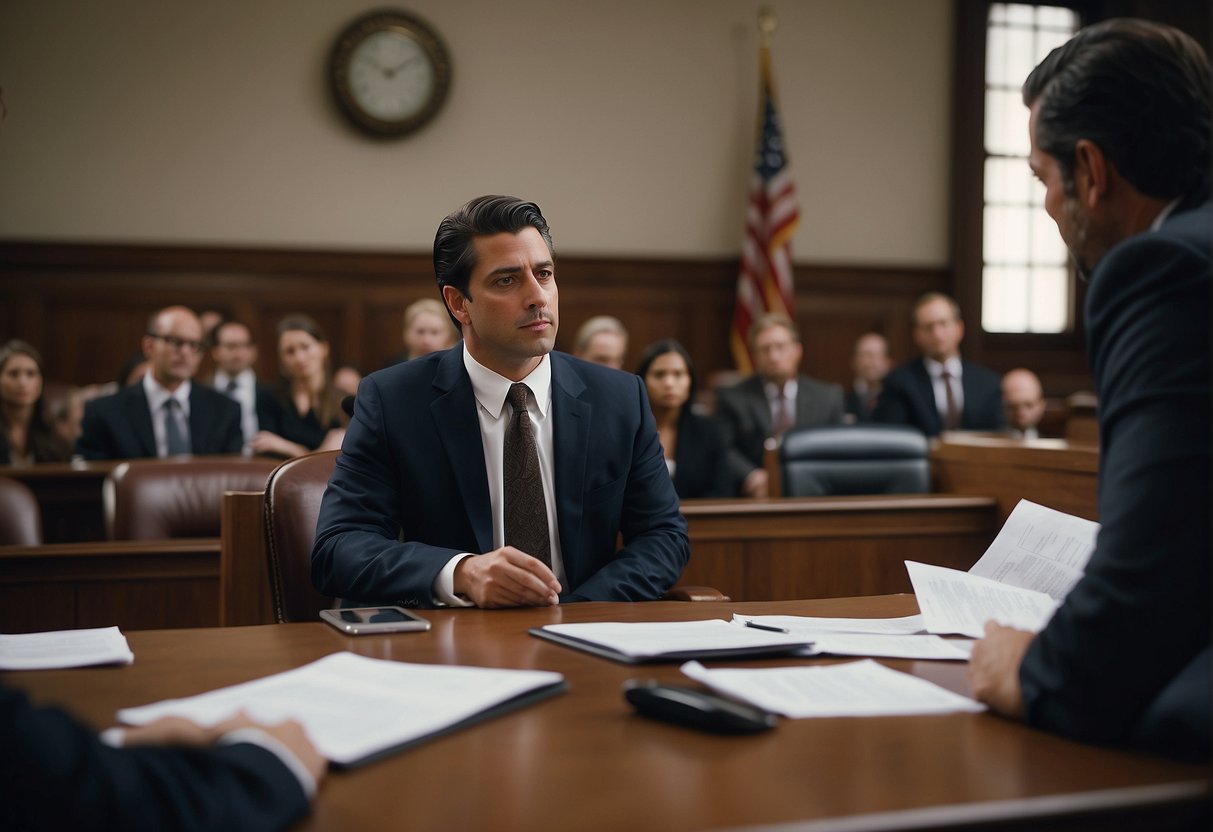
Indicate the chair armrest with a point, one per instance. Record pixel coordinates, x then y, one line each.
695 593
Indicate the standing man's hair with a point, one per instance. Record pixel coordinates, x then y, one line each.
1140 91
931 297
454 254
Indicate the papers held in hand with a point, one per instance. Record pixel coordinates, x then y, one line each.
660 641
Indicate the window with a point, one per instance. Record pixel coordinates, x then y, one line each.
1026 272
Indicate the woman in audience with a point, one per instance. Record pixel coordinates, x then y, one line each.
26 435
309 415
694 449
427 328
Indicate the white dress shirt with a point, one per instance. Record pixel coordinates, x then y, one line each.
156 397
788 394
491 390
246 394
935 371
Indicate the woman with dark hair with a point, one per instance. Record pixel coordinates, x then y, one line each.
26 435
309 415
694 449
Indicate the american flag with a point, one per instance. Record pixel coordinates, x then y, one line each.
765 282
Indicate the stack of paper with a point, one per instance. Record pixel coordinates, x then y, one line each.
670 640
1026 573
894 638
64 648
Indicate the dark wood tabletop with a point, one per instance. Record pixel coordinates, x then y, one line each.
584 761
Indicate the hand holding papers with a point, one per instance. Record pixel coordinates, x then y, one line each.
863 688
64 648
1034 561
356 709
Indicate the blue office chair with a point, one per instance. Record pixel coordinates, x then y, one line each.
854 459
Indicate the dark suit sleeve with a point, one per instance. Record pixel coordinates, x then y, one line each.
1141 612
231 434
56 774
655 546
702 469
735 427
893 404
95 440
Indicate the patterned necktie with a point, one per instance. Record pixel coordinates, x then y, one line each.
526 514
952 420
178 443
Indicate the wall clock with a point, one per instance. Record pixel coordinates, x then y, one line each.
389 73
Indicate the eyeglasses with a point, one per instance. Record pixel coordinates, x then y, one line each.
179 343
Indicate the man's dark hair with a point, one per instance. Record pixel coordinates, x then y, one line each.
1137 89
454 255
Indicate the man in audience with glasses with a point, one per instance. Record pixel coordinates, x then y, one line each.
165 414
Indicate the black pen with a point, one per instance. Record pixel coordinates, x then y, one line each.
766 627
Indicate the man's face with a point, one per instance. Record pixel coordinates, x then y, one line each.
174 347
427 333
777 354
1066 210
234 351
937 330
871 359
510 319
605 348
1023 400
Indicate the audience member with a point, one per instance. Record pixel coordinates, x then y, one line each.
165 414
427 329
602 340
499 446
346 379
171 774
235 352
1120 138
940 391
26 434
870 363
309 415
775 399
1024 400
695 454
67 414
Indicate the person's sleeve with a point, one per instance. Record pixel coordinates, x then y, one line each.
721 483
837 410
233 435
729 417
1141 612
56 774
655 545
90 444
891 407
358 554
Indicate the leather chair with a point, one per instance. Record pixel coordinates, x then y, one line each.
854 459
153 499
292 507
20 517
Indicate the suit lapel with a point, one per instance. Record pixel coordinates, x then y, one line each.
926 394
458 427
139 412
200 420
571 447
760 408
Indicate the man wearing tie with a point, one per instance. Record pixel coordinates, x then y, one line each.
235 353
941 391
870 362
773 400
164 414
499 473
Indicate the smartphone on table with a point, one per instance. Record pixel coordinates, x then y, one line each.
363 620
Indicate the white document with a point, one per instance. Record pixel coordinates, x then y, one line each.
863 688
906 625
1039 548
657 638
959 602
64 648
886 646
353 706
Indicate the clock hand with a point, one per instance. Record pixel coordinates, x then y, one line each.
390 72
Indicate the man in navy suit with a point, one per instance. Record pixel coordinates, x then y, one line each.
1119 127
416 510
941 391
165 414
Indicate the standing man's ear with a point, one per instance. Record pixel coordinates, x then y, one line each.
456 302
1090 173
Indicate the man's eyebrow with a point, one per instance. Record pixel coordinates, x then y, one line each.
512 269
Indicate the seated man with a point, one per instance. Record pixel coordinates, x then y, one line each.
775 399
870 363
443 494
164 414
602 340
1025 403
940 391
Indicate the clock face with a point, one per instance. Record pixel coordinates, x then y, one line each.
389 73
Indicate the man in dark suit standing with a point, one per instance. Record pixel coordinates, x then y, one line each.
1119 127
941 391
165 414
775 399
499 473
235 352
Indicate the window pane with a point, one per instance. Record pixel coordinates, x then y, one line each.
1046 42
1006 234
1004 291
1021 58
1020 13
996 58
1056 17
1049 310
998 13
1006 124
1047 246
1008 181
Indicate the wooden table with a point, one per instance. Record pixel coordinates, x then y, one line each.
583 761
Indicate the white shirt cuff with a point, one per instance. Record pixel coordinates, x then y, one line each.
444 584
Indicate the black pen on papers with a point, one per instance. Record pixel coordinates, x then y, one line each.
766 627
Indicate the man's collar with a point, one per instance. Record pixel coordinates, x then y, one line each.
1167 210
157 395
936 368
491 388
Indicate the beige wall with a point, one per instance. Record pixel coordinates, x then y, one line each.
629 121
